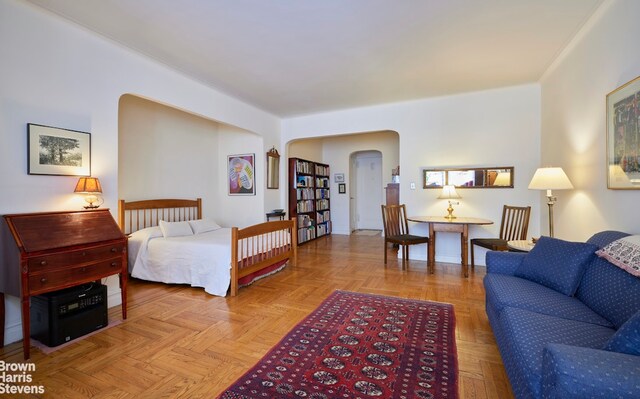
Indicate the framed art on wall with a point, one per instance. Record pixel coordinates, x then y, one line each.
623 137
56 151
242 177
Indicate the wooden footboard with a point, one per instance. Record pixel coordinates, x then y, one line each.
260 246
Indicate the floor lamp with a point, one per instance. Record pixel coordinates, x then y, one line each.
550 179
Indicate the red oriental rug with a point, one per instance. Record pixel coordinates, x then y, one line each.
360 346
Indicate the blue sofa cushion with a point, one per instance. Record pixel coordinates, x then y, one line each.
528 333
503 290
610 291
604 238
627 338
557 264
571 372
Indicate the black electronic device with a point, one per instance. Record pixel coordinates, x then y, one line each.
60 316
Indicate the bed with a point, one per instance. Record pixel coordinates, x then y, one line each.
214 259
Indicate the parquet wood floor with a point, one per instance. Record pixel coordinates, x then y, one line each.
180 342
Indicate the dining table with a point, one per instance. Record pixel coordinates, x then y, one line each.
459 224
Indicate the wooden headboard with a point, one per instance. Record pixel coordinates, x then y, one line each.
137 215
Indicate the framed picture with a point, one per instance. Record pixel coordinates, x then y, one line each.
342 188
338 177
242 176
623 137
56 151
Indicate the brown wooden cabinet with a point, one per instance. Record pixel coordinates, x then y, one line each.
393 193
49 251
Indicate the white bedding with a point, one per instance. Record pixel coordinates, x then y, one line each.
201 260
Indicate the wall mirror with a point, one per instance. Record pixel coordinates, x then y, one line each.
273 168
493 177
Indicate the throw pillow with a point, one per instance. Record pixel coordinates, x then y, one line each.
175 229
627 338
624 253
203 225
556 264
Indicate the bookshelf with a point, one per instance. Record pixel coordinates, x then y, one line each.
309 198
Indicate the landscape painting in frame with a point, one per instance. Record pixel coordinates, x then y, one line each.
56 151
242 177
623 137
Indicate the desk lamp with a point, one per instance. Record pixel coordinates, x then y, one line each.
449 193
550 179
90 186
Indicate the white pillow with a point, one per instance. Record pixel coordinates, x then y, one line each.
146 234
624 253
203 225
175 229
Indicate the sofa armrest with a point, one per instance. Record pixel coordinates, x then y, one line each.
576 372
504 262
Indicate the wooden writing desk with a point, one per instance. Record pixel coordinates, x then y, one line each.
443 224
49 251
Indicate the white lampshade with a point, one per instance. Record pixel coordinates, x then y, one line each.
449 192
550 179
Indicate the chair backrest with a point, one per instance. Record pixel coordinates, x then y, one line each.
394 219
515 222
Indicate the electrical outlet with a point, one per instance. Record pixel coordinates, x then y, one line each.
412 185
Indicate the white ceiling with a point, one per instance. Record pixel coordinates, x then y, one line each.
292 57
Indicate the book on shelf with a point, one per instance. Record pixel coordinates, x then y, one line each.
304 221
322 193
322 204
322 170
304 167
305 206
324 229
323 216
306 234
304 181
304 193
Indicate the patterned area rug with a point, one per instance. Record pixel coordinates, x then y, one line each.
360 346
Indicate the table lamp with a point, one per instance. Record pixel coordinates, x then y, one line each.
90 186
449 193
550 179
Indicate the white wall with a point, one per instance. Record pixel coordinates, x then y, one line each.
166 153
55 73
498 127
310 149
604 56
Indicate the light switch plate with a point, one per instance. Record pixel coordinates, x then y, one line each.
412 186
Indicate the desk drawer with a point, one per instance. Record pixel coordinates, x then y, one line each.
54 261
52 280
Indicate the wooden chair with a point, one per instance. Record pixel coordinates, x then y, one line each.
514 226
396 231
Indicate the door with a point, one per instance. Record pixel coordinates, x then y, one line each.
368 190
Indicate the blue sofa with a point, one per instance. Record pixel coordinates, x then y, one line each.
565 334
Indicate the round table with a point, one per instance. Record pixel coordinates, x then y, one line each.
444 224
